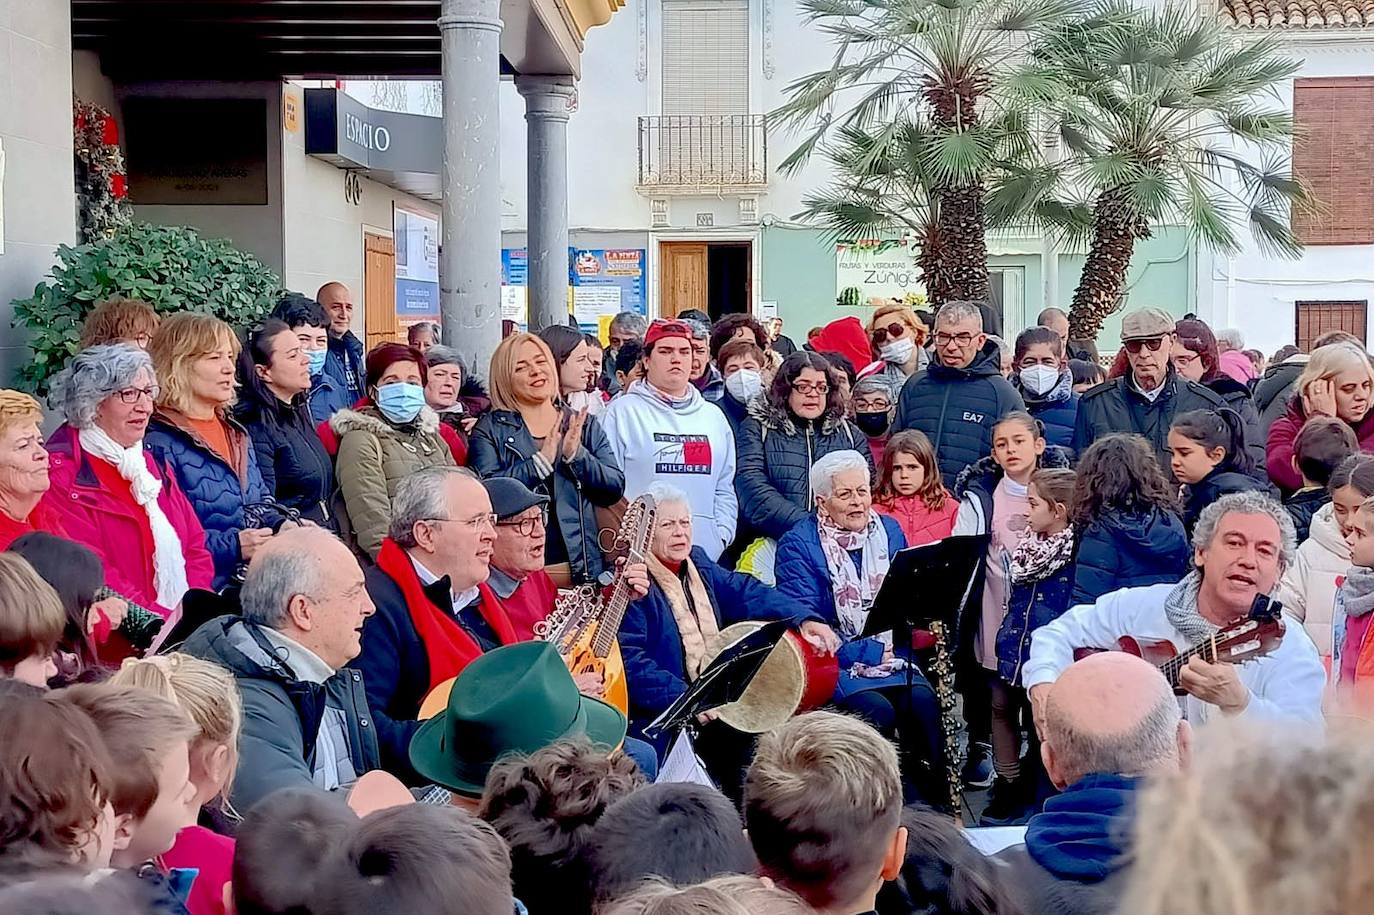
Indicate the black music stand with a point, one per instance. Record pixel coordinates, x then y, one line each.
723 681
926 583
198 606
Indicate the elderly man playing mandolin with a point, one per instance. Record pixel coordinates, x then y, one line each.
1233 660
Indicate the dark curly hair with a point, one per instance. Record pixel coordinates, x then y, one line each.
725 328
792 366
544 805
1119 473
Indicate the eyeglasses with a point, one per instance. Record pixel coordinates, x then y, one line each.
1185 357
943 339
1153 345
811 387
526 527
474 523
130 396
893 330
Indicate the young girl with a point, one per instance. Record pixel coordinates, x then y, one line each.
1353 662
994 501
208 694
911 491
1208 457
1041 571
1129 531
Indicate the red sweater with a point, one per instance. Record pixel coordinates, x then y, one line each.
531 602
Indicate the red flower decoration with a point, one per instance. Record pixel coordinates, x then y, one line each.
109 131
118 187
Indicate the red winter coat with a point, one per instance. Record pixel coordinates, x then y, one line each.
117 529
1279 459
918 523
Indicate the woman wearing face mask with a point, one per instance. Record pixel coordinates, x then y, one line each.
530 436
800 421
742 364
576 375
1040 373
386 441
274 375
872 401
898 338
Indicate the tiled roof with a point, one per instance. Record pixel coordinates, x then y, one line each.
1298 14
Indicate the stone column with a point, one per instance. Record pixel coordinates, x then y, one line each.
470 259
547 101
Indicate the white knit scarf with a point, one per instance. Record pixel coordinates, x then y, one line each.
169 565
854 588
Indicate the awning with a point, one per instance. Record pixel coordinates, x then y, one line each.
404 151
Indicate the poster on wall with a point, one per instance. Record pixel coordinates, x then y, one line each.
601 283
515 273
417 266
878 268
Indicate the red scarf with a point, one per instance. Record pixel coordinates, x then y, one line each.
447 644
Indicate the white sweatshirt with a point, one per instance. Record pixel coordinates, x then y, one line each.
1284 686
686 444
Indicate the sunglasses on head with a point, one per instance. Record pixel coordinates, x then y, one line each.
893 330
1153 345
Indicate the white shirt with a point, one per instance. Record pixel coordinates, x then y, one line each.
1285 685
1151 396
460 598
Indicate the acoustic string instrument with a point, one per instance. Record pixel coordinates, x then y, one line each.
583 626
795 677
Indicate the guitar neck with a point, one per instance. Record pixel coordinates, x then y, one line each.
614 613
1206 649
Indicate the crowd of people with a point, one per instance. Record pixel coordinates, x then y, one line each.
275 618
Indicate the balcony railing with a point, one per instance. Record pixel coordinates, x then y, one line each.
686 153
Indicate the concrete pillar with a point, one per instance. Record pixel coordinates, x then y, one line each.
547 101
470 259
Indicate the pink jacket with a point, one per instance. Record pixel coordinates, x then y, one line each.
918 523
1238 366
91 516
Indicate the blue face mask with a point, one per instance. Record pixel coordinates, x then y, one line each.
400 402
317 357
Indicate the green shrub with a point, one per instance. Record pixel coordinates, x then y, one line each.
169 267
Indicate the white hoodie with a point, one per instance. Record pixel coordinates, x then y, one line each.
1308 589
687 444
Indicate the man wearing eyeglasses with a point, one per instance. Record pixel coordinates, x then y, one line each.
1146 399
959 398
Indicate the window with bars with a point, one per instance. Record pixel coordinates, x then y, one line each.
1317 318
1334 153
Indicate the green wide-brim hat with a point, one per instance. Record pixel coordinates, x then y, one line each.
513 700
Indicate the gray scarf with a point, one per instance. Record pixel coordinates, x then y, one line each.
1180 608
1357 594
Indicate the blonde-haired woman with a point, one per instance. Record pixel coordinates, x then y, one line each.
530 435
209 696
1338 381
898 339
193 434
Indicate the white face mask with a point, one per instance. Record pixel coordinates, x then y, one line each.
898 351
744 384
1039 379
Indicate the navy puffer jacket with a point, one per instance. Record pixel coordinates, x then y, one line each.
218 491
775 452
295 468
1129 551
957 408
1030 605
1057 411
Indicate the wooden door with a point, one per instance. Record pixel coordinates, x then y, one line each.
682 282
379 290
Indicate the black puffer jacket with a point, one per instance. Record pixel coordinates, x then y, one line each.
1212 487
1238 397
957 408
1273 391
296 469
773 464
1116 406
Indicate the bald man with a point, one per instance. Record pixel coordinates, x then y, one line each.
1054 319
344 363
306 720
1109 721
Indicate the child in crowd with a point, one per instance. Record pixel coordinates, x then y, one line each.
682 833
1129 532
911 491
993 494
1322 444
823 806
1086 375
1308 587
1353 662
1209 460
943 874
149 742
1041 571
55 785
208 694
629 364
545 805
281 848
31 623
722 896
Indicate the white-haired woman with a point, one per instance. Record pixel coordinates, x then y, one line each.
1338 381
832 564
668 632
108 491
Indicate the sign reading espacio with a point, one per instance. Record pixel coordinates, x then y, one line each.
347 133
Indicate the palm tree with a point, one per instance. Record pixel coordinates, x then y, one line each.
1167 119
913 101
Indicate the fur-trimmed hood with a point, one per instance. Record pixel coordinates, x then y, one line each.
985 472
781 419
370 419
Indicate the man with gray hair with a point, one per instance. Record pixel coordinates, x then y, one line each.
305 717
435 610
1242 544
960 397
625 327
1110 721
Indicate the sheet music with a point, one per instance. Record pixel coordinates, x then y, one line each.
682 766
991 839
